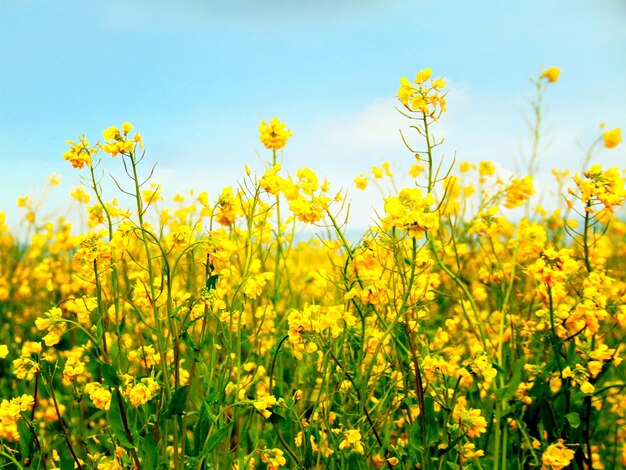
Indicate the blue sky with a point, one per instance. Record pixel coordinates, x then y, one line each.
197 77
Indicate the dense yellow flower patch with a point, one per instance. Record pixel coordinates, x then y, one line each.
467 328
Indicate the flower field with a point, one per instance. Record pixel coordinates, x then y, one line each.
468 328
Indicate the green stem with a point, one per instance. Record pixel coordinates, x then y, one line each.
365 411
586 237
62 426
278 433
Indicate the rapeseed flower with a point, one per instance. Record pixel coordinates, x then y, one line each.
612 138
557 456
352 439
275 134
274 458
79 153
551 74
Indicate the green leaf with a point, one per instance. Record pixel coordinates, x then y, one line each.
211 281
188 340
573 419
122 325
67 461
94 316
509 391
26 439
547 414
216 439
117 426
202 428
109 374
414 436
431 423
149 453
177 404
277 418
96 319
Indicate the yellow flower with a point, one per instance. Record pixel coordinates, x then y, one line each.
416 170
309 211
377 172
23 201
425 98
73 368
53 337
557 456
127 127
142 392
79 153
352 438
552 74
80 194
274 458
99 395
25 368
612 138
54 179
112 133
422 76
486 168
360 182
263 403
4 351
519 191
405 92
275 134
465 167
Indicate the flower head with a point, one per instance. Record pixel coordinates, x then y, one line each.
612 138
551 74
79 153
352 438
557 456
275 134
112 133
426 96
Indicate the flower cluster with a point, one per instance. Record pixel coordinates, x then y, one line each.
424 95
274 135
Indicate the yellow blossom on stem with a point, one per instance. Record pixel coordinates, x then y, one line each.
352 438
263 403
274 458
612 138
99 395
80 194
551 74
275 134
112 133
79 153
557 456
54 179
73 368
423 75
25 368
139 393
426 97
486 168
361 182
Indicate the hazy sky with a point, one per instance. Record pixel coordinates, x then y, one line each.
197 77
